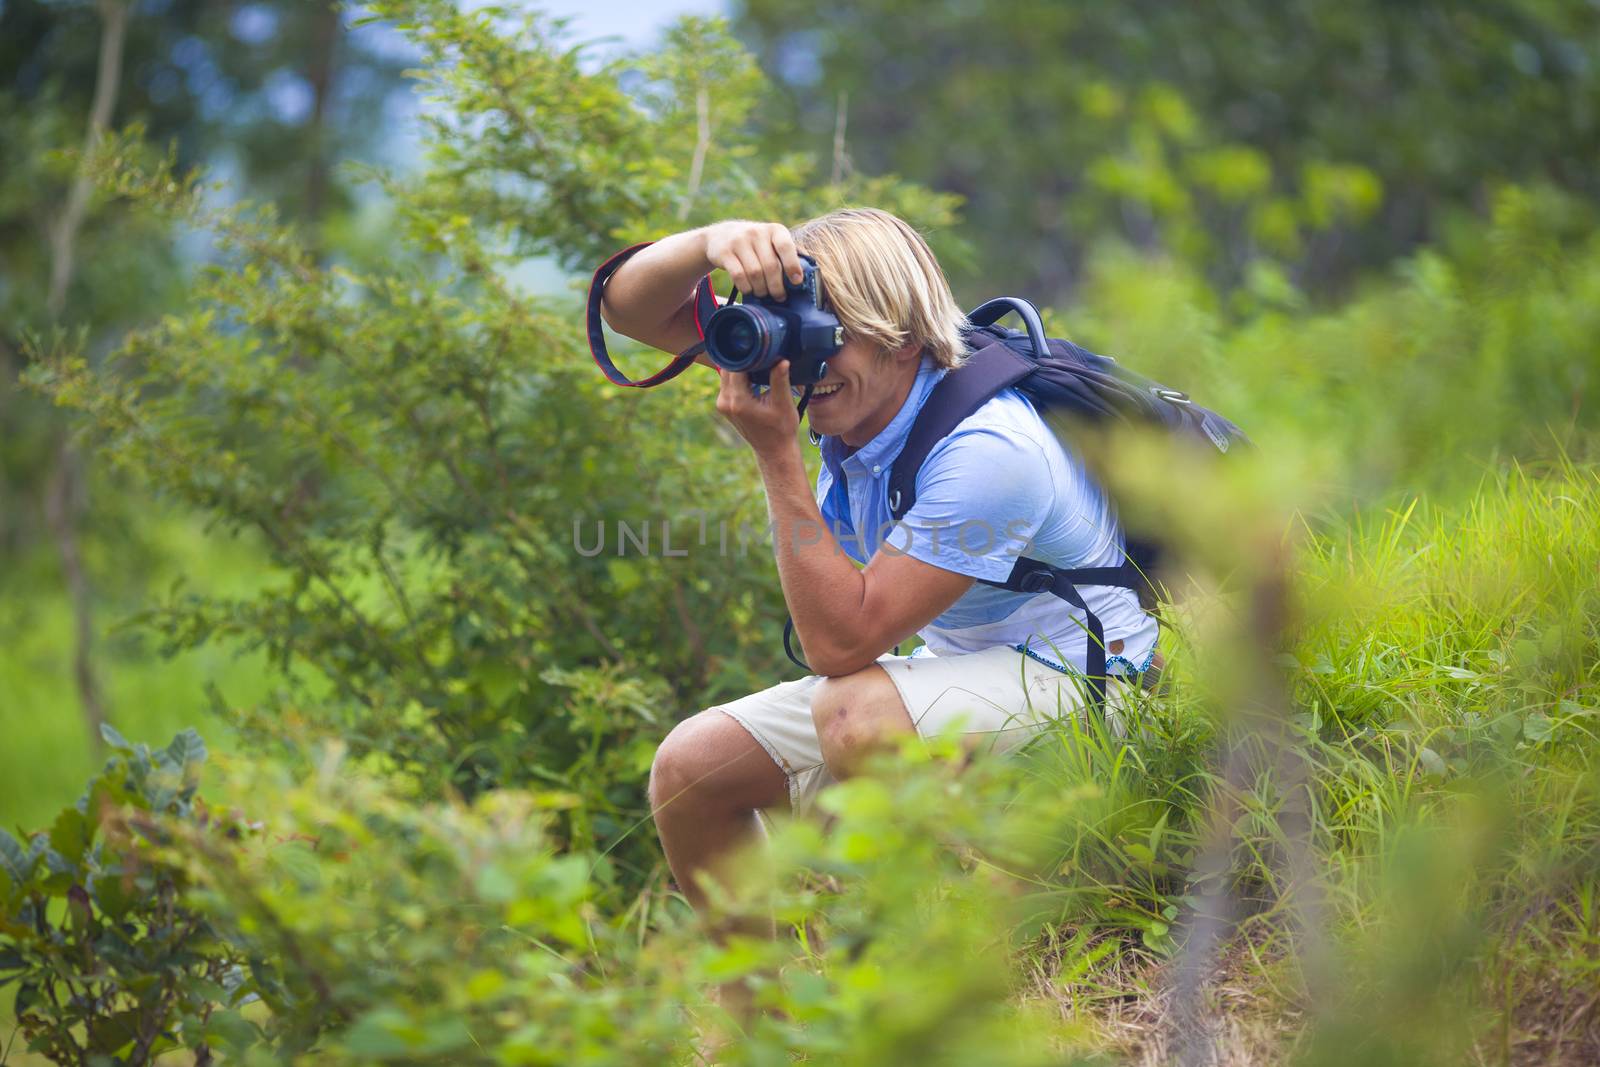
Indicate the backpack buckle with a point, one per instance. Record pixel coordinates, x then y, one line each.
1039 581
1172 396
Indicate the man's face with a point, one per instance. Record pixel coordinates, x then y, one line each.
861 392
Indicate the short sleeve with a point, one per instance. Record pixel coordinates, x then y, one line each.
982 496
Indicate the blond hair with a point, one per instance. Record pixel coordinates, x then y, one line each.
879 277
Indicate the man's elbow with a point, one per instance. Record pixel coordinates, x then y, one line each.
834 668
618 323
837 661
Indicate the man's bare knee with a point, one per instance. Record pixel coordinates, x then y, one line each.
710 759
670 773
680 762
855 715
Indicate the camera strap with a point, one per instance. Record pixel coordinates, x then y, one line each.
705 303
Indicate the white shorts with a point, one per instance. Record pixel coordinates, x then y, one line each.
999 698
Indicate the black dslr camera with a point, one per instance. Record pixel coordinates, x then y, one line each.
753 336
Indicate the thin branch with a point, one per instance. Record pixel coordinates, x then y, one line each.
1260 713
841 157
320 74
702 143
65 231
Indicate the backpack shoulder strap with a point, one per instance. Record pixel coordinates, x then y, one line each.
1036 576
988 371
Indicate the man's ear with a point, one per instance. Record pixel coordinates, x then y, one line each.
906 354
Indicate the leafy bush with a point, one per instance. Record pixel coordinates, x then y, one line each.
110 961
426 452
1474 351
366 928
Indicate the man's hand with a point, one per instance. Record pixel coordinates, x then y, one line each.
649 297
757 255
768 421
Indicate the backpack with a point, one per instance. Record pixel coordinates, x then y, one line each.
1058 377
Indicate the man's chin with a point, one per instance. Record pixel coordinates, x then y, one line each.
823 425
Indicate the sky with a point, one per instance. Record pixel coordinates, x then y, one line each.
635 22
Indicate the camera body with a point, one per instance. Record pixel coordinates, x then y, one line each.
754 335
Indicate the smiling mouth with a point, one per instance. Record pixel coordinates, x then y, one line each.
823 392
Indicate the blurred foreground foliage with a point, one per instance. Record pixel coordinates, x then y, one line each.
952 912
437 847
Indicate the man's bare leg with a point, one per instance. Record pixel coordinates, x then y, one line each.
856 715
708 779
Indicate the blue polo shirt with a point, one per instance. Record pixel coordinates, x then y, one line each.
999 486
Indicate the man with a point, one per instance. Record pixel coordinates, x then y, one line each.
996 665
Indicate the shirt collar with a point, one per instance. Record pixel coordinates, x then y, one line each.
883 448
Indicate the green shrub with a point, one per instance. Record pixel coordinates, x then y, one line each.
1471 352
380 930
111 963
426 451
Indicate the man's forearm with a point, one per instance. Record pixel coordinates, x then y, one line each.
823 588
653 284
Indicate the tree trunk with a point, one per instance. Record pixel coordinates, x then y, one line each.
65 496
64 233
324 47
64 507
8 374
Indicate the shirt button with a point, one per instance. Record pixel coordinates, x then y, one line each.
876 469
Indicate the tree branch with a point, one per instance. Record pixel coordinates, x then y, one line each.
64 233
841 157
702 143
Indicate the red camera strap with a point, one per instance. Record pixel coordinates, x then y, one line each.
705 303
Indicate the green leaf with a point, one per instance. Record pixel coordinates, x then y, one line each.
739 957
28 996
115 899
1140 854
384 1031
445 1035
1538 727
69 834
498 679
115 739
231 1030
206 989
15 862
1154 839
108 1033
187 749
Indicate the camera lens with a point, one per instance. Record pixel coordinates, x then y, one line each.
739 340
742 338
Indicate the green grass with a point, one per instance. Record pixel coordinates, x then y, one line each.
1446 679
47 755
